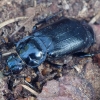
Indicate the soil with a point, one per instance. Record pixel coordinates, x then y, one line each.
80 83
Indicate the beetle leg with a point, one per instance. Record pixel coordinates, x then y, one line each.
36 70
49 17
83 54
10 83
45 20
34 28
54 65
58 69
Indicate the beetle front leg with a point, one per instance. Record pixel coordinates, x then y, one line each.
54 65
56 69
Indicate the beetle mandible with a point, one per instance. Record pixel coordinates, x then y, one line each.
67 36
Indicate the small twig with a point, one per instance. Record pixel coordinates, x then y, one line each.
11 21
78 68
94 19
21 26
8 53
35 3
31 98
30 90
29 84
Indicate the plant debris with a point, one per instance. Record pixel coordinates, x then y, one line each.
82 82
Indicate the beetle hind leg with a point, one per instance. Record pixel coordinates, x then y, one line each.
83 54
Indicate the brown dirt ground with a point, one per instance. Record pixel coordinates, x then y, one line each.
80 84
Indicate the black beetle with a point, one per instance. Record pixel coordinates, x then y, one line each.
67 36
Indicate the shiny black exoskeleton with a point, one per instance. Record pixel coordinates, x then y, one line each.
67 36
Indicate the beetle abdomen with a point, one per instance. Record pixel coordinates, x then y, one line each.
67 36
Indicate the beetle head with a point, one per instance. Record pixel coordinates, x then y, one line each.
14 65
31 52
